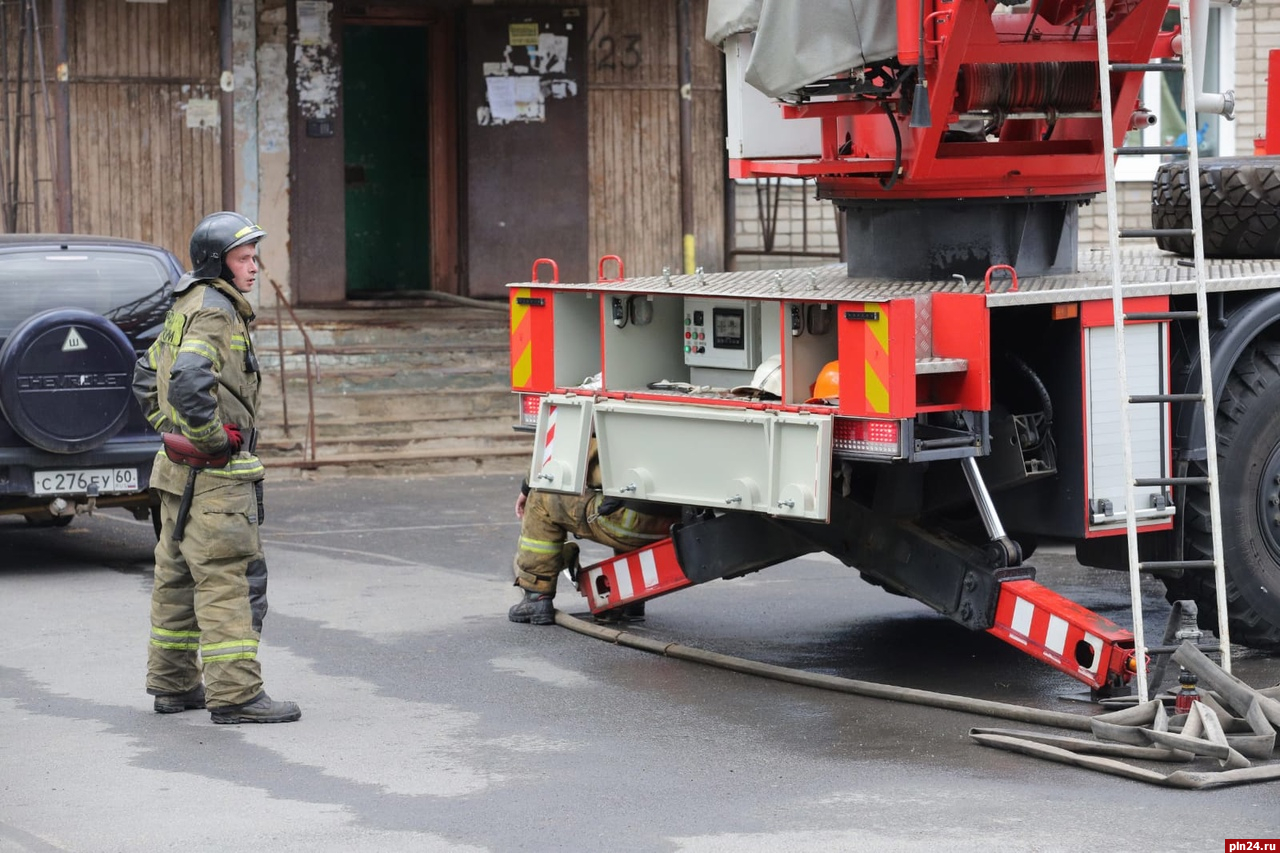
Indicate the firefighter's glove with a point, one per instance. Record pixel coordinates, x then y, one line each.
609 506
234 439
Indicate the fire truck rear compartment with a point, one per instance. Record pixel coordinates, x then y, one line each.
1014 374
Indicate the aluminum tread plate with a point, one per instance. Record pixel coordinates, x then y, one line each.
1146 272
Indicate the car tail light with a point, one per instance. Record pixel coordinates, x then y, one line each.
529 404
858 437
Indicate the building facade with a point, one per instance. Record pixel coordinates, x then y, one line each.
393 148
389 148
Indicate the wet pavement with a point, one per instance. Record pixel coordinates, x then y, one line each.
432 723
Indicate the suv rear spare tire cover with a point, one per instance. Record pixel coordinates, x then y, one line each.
66 380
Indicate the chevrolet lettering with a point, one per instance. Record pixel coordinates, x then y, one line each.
53 382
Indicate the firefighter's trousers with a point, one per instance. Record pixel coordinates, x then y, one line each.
209 596
549 518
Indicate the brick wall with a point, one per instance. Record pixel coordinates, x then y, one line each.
804 229
1257 33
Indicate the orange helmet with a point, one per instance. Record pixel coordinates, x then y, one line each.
827 387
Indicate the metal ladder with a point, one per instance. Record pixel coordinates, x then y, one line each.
30 52
1200 315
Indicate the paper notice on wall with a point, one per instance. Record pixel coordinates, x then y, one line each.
313 21
553 50
522 35
502 99
528 98
513 98
202 113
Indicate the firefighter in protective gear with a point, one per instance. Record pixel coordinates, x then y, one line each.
547 519
200 380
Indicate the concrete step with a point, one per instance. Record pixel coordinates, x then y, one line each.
414 390
409 326
490 460
397 403
363 378
326 360
392 442
428 424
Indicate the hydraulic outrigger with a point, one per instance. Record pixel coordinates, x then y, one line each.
986 589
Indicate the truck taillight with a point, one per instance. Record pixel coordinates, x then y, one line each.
529 404
858 437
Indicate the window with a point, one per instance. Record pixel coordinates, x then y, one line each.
1162 95
126 287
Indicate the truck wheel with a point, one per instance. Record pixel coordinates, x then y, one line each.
1240 199
1248 423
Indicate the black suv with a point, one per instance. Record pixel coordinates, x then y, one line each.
75 314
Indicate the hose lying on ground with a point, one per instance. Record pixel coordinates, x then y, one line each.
1024 742
870 689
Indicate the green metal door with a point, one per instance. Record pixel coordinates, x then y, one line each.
386 146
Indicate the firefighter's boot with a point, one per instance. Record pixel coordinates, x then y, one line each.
260 709
536 608
173 703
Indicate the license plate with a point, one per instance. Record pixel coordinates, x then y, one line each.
80 481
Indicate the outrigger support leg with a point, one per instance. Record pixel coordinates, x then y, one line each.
962 581
708 548
1004 551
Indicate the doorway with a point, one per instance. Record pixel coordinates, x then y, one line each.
387 175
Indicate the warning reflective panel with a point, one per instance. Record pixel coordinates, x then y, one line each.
74 341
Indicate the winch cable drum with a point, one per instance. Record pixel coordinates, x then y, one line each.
1010 88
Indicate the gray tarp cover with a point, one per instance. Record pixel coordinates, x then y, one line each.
802 41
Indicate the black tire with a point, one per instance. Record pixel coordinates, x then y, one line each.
1240 199
66 380
1248 424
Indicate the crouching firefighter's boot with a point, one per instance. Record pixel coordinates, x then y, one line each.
536 608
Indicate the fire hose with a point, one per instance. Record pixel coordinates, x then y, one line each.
1081 753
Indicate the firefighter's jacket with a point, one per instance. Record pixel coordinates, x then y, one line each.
202 373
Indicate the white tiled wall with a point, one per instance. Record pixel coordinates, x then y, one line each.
806 232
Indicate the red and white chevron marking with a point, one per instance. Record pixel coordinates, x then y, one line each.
1060 632
635 576
549 440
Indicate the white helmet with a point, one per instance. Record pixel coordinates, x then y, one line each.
766 382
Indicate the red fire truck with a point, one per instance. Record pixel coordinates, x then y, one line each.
958 392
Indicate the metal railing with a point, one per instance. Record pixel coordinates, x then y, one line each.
313 373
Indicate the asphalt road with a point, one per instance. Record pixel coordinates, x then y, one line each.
432 723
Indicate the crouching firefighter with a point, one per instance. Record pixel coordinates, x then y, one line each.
198 386
547 519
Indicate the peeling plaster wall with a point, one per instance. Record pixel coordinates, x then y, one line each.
319 248
244 39
272 136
